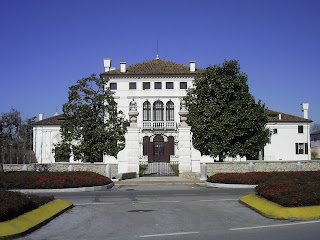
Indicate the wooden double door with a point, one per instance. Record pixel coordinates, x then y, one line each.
158 150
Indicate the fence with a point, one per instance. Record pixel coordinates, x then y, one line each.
158 169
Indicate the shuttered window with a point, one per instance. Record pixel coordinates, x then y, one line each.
302 148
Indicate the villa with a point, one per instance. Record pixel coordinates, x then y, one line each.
150 95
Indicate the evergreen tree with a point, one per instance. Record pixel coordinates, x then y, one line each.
224 117
93 126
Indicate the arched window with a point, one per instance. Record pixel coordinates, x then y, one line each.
170 111
146 111
158 111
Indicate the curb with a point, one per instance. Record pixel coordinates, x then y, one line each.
275 211
224 185
81 189
157 182
33 219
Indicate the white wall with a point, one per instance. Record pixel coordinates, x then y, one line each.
43 139
124 95
282 146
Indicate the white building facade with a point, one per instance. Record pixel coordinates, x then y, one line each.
155 88
150 95
290 139
46 133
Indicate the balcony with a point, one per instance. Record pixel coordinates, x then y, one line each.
159 125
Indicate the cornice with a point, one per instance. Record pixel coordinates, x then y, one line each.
150 77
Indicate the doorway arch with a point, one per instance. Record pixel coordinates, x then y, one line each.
160 149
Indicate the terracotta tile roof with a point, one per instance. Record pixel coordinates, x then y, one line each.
155 67
315 133
55 120
273 116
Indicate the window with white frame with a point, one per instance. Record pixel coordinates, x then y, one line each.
158 111
169 85
132 85
170 111
113 86
158 85
183 85
146 111
145 85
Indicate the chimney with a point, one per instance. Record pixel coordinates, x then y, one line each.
41 116
123 67
280 116
107 64
305 108
192 66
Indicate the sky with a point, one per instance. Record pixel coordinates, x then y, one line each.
46 46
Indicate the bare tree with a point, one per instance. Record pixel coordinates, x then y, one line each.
15 137
314 127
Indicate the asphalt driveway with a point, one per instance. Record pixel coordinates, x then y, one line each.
176 211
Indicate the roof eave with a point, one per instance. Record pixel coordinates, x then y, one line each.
288 121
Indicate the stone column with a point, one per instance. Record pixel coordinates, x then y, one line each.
184 145
184 149
128 158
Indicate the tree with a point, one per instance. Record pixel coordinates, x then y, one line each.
15 138
93 126
314 127
224 117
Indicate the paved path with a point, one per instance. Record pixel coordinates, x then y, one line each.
167 211
158 180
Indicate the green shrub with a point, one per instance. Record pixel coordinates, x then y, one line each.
142 169
239 178
50 180
291 194
13 204
259 177
128 175
289 189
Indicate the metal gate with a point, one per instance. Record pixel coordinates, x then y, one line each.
158 169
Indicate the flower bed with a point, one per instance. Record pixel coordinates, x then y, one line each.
239 178
289 189
291 194
51 180
13 204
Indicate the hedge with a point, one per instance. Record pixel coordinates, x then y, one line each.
288 189
13 204
51 180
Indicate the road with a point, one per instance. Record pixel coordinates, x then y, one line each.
159 212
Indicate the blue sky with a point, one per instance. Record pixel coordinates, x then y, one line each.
46 46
